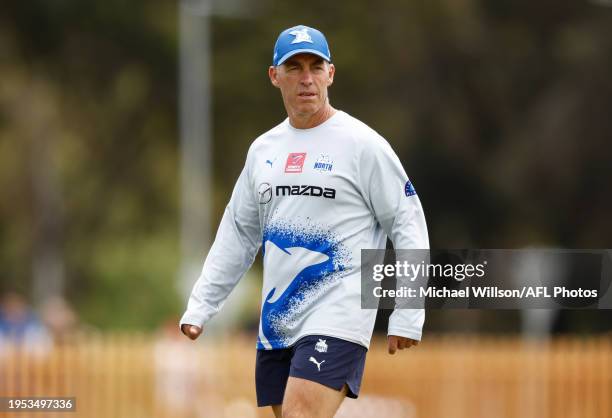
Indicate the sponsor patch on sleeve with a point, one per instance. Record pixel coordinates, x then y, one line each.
409 189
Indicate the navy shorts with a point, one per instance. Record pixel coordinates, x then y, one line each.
326 360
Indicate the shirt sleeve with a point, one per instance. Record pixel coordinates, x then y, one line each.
397 208
232 253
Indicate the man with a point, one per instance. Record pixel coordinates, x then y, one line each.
314 191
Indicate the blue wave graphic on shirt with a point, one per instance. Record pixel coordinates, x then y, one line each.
282 307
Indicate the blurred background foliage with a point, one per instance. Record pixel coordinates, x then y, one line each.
499 111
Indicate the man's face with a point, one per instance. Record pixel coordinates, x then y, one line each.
303 81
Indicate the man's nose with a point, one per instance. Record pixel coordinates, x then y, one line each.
306 78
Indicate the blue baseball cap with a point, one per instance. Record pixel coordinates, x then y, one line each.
300 40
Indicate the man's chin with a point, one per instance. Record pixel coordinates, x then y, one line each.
307 110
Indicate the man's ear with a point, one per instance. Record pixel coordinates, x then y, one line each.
332 71
272 73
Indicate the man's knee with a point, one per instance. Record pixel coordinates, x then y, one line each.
296 410
302 407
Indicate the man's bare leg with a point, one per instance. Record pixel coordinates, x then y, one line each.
307 399
278 410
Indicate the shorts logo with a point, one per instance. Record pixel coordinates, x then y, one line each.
321 346
324 163
314 360
265 193
295 162
409 189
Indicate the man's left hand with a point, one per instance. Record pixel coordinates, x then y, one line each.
395 343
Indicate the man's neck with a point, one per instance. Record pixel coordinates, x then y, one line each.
310 121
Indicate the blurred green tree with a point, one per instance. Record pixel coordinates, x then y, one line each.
498 110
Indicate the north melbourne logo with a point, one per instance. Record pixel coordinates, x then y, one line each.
324 163
301 35
321 346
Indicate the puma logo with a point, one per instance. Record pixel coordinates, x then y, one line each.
314 360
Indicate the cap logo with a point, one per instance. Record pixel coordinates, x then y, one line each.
301 36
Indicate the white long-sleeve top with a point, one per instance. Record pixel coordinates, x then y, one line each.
312 199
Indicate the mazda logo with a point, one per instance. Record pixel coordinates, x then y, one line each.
265 193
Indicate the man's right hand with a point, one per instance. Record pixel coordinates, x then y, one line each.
192 331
